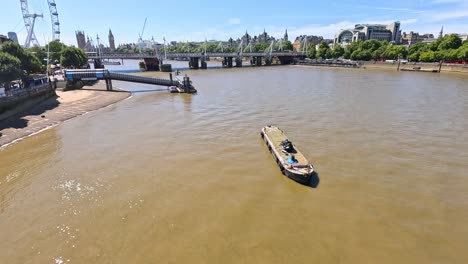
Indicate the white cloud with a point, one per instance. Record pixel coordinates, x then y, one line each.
447 1
393 9
234 21
450 15
408 21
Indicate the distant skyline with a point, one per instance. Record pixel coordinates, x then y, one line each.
193 21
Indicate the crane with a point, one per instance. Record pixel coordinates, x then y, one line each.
142 31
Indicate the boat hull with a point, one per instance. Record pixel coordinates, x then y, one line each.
301 177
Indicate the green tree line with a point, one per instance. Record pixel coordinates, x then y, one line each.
214 47
448 48
17 62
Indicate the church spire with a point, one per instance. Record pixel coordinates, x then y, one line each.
441 34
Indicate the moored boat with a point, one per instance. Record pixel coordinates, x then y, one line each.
175 89
290 160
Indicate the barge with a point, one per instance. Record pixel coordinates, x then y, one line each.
290 160
418 69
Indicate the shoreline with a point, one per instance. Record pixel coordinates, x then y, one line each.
57 110
446 68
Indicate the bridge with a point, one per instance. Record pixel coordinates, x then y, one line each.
74 76
192 55
153 60
198 60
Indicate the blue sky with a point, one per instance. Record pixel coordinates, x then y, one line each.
183 20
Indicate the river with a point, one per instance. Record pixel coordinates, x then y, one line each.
170 178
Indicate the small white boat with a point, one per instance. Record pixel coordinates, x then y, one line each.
174 89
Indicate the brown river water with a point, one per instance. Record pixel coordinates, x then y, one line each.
164 178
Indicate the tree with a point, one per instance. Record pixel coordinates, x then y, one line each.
394 52
371 45
449 55
434 45
10 68
414 56
32 64
353 46
72 57
462 53
231 49
361 54
356 55
430 56
287 45
29 63
55 48
260 47
322 50
338 51
40 54
311 52
210 47
451 41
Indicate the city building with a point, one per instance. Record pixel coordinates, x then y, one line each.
80 39
286 38
245 39
111 41
390 33
464 36
441 33
301 40
262 38
89 46
3 38
414 37
13 37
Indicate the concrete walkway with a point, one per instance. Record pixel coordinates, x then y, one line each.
53 111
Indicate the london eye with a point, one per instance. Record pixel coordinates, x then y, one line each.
30 21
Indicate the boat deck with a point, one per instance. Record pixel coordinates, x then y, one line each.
276 136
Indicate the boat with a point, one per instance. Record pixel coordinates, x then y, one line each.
418 69
111 63
173 89
290 160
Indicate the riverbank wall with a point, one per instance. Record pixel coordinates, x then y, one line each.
446 67
23 100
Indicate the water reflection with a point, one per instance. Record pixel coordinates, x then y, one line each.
23 162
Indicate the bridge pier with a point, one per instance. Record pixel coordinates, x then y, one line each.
98 64
151 64
259 61
108 84
268 61
285 60
203 64
166 67
239 62
193 63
